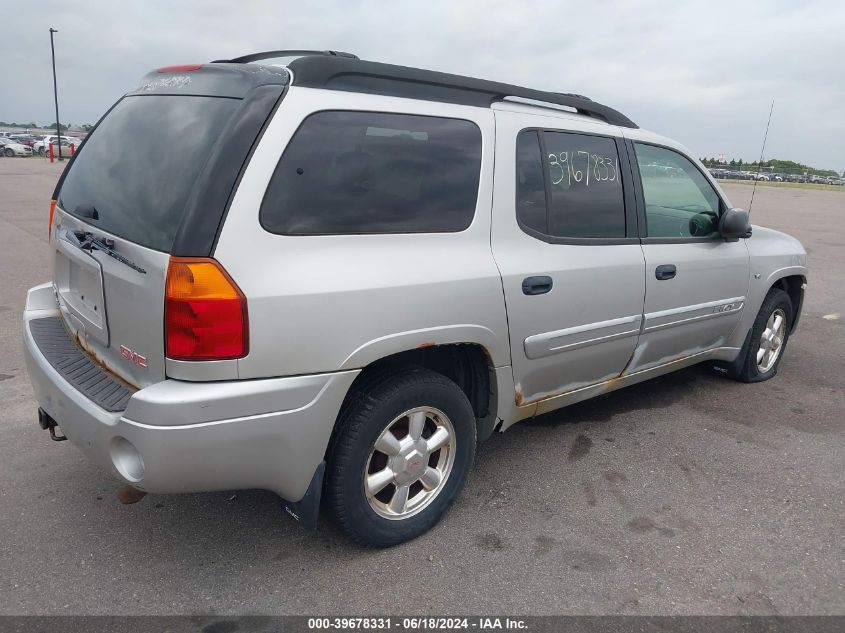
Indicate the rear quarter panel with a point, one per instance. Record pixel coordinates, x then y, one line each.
328 303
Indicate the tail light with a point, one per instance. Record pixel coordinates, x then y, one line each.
50 225
205 315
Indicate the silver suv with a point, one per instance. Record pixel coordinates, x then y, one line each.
334 278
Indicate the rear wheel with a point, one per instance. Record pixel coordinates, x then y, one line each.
769 336
402 454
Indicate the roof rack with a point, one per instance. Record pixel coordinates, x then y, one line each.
355 75
254 57
335 70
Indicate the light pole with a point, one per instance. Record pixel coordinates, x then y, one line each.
56 94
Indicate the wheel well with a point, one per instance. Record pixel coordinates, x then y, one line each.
467 364
793 286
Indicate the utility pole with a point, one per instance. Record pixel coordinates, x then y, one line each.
56 94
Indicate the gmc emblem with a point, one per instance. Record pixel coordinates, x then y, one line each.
132 357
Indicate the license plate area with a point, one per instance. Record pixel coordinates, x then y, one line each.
79 284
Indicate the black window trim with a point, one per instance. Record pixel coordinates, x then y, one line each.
372 111
628 193
638 187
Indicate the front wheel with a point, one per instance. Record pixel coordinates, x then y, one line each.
404 448
10 153
769 336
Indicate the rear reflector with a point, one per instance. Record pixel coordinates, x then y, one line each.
205 313
181 68
50 224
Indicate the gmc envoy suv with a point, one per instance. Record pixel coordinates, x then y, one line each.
334 278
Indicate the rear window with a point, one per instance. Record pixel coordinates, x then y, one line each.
134 174
369 172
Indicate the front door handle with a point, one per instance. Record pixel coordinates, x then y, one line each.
537 285
666 271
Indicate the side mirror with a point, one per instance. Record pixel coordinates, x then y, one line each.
735 224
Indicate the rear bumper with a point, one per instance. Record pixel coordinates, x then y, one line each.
178 436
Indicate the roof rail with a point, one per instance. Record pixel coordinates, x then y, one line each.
348 73
254 57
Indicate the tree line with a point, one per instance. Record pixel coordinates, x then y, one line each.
32 124
774 165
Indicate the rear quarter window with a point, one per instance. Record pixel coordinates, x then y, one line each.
349 172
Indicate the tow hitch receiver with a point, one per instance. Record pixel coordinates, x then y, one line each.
49 424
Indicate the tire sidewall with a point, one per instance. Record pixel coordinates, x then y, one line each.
774 300
354 450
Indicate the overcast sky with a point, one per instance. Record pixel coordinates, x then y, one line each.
704 73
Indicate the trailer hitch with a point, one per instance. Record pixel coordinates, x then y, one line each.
47 423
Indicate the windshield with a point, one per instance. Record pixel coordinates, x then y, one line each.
136 171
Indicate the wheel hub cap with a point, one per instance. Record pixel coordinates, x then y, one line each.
771 341
409 463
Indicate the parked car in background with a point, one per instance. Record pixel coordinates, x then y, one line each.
41 145
67 150
12 148
25 139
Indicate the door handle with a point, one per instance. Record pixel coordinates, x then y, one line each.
537 285
666 271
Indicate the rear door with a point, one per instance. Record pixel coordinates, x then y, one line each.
696 281
565 240
118 211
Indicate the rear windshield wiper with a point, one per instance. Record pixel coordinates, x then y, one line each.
87 242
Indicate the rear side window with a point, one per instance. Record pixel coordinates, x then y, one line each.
135 173
570 186
586 197
369 172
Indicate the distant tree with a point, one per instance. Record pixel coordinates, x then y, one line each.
87 127
52 126
732 163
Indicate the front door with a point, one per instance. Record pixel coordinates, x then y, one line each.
696 281
571 264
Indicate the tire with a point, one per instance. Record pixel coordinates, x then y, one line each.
42 151
776 303
10 153
400 404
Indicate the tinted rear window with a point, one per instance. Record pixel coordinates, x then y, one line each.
368 172
138 167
